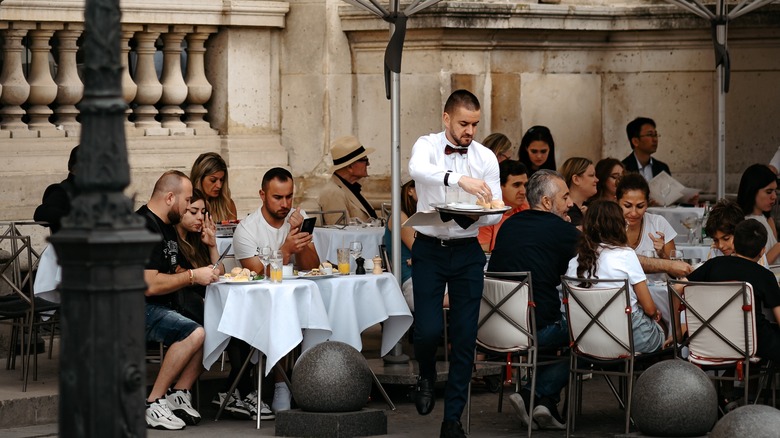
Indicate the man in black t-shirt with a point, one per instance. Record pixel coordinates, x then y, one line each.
169 405
749 240
542 241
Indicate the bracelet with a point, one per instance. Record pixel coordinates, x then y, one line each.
192 278
446 178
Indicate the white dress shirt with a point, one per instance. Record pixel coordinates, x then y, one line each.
428 165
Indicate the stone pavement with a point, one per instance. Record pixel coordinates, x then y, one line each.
34 414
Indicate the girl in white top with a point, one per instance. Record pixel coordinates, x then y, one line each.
648 233
755 197
603 253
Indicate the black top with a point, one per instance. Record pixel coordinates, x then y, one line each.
575 214
164 256
658 166
355 189
731 268
56 203
542 243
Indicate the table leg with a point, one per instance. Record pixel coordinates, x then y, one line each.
234 384
382 390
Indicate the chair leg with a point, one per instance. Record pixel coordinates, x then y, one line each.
468 409
629 389
571 412
501 390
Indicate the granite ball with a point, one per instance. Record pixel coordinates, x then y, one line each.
748 421
331 377
676 399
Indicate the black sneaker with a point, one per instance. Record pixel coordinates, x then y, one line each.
234 406
451 429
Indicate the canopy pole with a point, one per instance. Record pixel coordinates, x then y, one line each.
721 73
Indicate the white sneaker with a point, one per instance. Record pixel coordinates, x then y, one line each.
234 406
517 402
546 418
251 403
159 416
282 397
180 403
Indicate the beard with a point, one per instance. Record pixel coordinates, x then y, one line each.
280 214
462 142
174 217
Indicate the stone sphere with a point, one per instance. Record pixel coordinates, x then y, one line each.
748 421
674 398
331 377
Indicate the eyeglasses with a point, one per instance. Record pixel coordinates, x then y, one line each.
651 134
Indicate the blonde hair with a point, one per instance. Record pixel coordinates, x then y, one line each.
207 164
574 166
498 143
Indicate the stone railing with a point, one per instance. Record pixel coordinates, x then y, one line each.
164 47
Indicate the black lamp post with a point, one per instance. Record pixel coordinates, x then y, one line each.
102 247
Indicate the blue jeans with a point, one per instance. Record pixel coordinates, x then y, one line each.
166 325
551 379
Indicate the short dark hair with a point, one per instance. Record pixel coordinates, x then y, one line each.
509 168
634 128
754 178
279 173
73 159
724 216
632 181
537 133
749 238
461 98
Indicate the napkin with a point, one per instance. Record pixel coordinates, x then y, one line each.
463 221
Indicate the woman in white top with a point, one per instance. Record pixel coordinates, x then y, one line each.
756 196
648 233
603 253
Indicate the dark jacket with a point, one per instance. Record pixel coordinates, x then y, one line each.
657 165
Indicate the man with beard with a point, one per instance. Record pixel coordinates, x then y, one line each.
169 405
276 225
449 255
541 240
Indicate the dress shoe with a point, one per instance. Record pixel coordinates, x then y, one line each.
451 429
424 396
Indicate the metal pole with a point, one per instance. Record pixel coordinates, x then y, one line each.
721 73
102 248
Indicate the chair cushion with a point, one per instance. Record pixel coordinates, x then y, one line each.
497 331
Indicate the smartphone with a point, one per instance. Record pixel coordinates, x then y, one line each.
308 225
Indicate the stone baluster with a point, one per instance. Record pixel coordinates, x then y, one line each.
198 87
149 87
43 89
129 88
70 89
15 89
174 88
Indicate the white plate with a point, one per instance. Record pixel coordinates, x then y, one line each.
314 277
459 206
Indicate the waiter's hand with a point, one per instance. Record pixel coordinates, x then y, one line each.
476 187
296 218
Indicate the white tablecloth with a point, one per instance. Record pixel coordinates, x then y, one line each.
48 276
269 317
675 215
694 251
222 243
357 302
328 240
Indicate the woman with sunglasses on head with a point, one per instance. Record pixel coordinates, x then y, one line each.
537 149
209 174
580 177
756 196
500 144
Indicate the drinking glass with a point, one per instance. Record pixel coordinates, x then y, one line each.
343 260
675 255
693 224
264 254
355 249
277 266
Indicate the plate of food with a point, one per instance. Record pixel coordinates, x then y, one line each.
479 209
314 274
240 275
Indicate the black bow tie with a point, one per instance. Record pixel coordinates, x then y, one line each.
451 150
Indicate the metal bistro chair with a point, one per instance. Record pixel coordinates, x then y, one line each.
340 220
507 324
22 308
720 319
601 335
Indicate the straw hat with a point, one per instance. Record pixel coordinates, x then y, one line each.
347 150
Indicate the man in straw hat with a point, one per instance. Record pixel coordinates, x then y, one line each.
449 255
342 192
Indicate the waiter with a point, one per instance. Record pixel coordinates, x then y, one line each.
449 255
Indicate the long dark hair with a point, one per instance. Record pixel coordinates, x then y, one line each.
537 133
191 247
408 204
755 178
603 225
603 172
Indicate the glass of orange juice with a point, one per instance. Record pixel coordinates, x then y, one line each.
343 258
276 271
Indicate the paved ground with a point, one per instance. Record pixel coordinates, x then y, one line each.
601 415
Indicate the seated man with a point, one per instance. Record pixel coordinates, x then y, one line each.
342 192
183 337
749 240
56 198
541 240
276 225
514 177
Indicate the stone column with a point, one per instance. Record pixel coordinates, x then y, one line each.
43 89
15 89
198 86
129 88
70 89
149 87
174 88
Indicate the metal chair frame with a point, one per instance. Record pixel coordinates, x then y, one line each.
341 221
